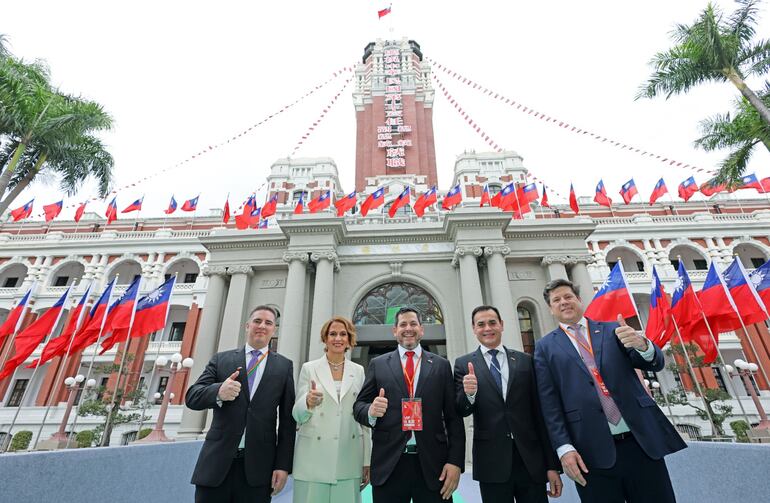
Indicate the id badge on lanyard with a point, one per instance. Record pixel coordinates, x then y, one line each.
411 414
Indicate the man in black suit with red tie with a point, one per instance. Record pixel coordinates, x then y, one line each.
251 390
512 456
418 439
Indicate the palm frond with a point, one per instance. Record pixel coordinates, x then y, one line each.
742 22
755 60
731 169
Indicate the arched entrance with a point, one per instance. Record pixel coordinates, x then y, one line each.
375 314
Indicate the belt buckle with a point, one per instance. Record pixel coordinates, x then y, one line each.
410 449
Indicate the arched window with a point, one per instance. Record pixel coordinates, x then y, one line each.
526 327
186 270
380 305
128 270
690 257
12 276
67 274
751 255
632 260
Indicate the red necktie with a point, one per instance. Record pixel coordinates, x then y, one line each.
409 369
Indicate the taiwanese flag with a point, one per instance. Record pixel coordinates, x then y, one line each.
269 208
244 220
300 207
717 305
402 200
684 304
121 315
658 191
28 339
765 183
191 204
346 203
374 200
505 197
485 197
14 319
573 204
250 220
52 210
79 212
710 188
92 327
601 196
22 212
751 182
659 327
321 202
527 194
171 206
152 309
760 278
612 299
262 224
453 198
544 199
628 191
745 296
226 211
112 211
687 188
58 346
383 12
425 200
135 206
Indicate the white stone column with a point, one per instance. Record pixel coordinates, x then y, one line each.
232 332
554 265
323 298
582 279
290 336
497 275
193 421
470 286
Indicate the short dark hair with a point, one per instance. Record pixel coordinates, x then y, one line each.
485 308
554 284
263 307
405 310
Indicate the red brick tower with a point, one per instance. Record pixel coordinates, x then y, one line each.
394 113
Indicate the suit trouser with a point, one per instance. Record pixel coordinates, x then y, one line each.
519 487
234 489
406 484
635 478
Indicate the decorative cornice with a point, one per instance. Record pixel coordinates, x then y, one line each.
462 251
502 250
240 269
294 255
567 259
329 255
213 270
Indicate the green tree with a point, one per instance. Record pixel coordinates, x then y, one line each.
21 441
44 130
740 132
715 413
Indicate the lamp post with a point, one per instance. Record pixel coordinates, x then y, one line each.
745 370
60 438
177 365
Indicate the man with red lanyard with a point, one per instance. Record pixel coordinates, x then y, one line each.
418 439
608 432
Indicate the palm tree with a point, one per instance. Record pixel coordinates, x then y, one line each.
713 48
740 132
45 131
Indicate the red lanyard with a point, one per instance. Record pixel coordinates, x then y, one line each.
256 364
588 347
410 380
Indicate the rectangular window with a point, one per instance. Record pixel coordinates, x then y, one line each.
640 266
61 281
10 282
719 379
17 393
700 264
177 331
757 262
102 387
611 265
166 277
190 277
675 264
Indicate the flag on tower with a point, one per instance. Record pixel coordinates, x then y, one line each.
321 202
573 204
13 321
658 191
22 212
171 206
612 299
375 200
687 188
191 204
135 206
270 207
402 200
425 200
383 12
346 203
112 211
601 196
485 197
79 212
746 299
453 198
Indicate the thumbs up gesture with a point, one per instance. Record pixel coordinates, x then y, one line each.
629 337
314 396
470 384
379 405
230 389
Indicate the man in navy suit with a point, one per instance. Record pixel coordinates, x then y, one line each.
609 434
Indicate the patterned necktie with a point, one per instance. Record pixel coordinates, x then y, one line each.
252 375
608 404
495 370
409 369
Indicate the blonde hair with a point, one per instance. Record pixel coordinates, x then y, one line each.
349 328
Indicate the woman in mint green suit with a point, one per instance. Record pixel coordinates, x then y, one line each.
332 451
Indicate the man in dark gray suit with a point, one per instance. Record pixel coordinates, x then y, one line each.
251 391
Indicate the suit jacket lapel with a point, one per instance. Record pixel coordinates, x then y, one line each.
597 340
238 360
511 360
394 362
481 368
324 374
562 339
426 367
348 377
268 363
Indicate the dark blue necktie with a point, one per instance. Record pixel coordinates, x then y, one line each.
497 373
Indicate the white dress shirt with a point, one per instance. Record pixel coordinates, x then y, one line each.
502 359
417 357
257 378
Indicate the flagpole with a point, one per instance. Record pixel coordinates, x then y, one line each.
62 366
157 354
671 198
694 377
34 372
7 352
738 202
105 438
668 404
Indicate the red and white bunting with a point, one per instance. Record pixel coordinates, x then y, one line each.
320 118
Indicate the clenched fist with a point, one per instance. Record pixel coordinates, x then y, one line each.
470 384
230 389
314 397
379 405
